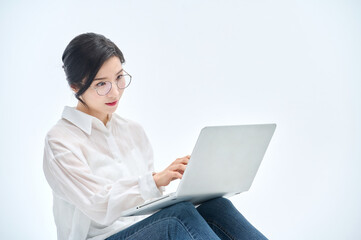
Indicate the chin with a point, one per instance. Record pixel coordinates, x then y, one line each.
113 109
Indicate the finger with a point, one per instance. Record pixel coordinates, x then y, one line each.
183 160
178 167
186 157
177 161
176 175
181 167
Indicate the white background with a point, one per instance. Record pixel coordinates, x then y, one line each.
198 63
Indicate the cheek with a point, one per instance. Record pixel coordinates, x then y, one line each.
91 97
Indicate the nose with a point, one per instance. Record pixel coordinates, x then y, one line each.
114 91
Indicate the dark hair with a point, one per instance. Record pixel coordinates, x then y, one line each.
84 56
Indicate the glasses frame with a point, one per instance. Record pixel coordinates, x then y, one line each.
111 84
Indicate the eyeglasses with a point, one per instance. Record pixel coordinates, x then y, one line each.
122 81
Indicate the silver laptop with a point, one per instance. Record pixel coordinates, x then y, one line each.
224 162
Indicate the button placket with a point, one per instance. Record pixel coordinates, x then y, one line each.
113 147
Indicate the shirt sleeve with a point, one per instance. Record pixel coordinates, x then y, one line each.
147 181
101 199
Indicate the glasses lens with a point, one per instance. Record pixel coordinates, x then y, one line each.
104 88
124 81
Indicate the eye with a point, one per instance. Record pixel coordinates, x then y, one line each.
100 84
119 77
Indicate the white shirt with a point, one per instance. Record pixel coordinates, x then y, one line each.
96 172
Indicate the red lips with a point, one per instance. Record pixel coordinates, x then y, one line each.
112 103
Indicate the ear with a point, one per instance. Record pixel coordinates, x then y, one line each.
74 88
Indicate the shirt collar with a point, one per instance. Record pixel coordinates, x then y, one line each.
80 119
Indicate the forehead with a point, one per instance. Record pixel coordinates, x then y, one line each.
109 68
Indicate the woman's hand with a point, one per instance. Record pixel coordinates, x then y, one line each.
174 171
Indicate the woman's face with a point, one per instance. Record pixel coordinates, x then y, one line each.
101 106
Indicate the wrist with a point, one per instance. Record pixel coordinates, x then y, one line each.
155 178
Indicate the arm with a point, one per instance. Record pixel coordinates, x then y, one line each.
99 198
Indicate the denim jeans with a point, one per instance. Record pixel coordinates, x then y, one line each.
214 219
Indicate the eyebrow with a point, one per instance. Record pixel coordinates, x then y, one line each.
102 78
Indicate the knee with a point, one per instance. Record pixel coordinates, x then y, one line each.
221 201
182 209
181 206
215 205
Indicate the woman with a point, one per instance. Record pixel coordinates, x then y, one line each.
99 164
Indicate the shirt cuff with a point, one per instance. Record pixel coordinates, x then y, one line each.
148 188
